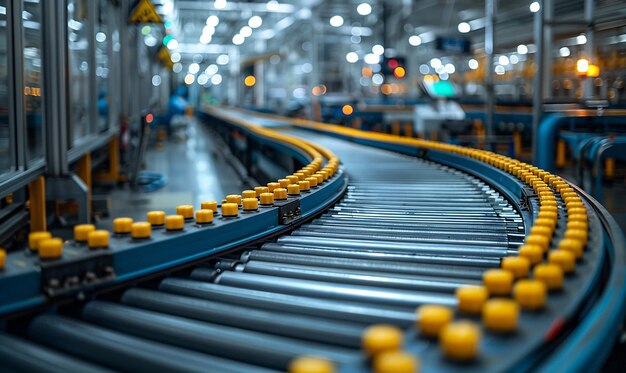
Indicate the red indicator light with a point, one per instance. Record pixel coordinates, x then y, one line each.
393 63
149 118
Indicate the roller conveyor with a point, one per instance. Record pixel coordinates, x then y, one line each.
408 232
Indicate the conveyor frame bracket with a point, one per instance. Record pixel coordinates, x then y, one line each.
71 275
288 211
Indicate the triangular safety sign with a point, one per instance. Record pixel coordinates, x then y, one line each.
145 13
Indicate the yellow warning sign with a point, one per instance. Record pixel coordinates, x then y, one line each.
145 13
164 56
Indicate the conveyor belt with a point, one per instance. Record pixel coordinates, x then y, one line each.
408 232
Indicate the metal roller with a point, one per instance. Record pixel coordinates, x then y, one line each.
123 352
363 264
19 355
466 261
358 277
250 347
356 293
338 310
275 322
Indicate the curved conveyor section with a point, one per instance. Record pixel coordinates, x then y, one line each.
507 266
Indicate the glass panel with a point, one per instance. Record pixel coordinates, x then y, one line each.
5 141
102 64
78 62
33 78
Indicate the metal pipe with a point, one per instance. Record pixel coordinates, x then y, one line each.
311 328
538 82
123 352
337 310
490 10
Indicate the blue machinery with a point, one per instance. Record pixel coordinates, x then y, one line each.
403 223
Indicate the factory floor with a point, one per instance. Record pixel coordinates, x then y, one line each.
196 168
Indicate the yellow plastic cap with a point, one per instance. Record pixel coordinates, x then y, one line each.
545 214
81 231
576 247
517 265
310 364
230 209
577 234
50 248
312 181
209 205
396 362
293 179
234 198
35 237
250 204
320 178
186 211
284 182
549 274
577 217
248 194
431 318
266 199
575 205
576 210
174 222
564 259
577 225
498 281
301 175
542 241
293 189
122 225
460 340
273 186
260 190
156 217
304 185
307 172
140 229
530 294
548 208
204 216
280 193
379 338
98 239
545 222
541 230
500 315
471 299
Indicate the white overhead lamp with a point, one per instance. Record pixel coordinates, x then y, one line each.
435 63
222 59
238 39
194 68
378 79
499 70
352 57
514 59
209 30
213 21
534 7
175 57
336 21
503 60
378 49
216 79
189 79
272 5
371 58
415 40
178 67
464 27
255 21
203 79
211 69
522 49
205 38
364 9
581 39
172 44
450 69
564 52
156 80
245 31
473 64
220 4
